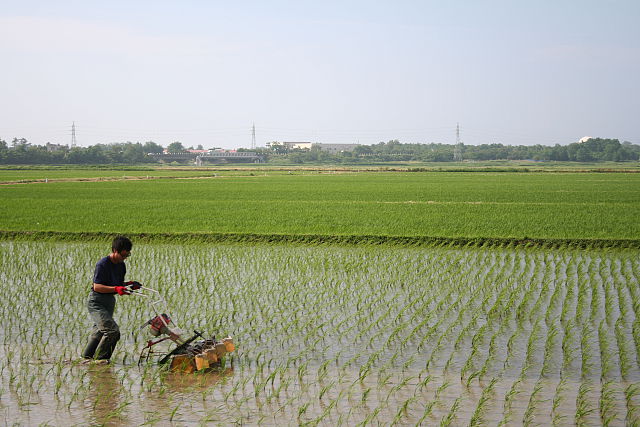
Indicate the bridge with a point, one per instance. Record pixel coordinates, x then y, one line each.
213 156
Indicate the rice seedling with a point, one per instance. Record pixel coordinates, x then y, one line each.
485 398
607 354
556 415
584 406
631 392
451 415
331 335
534 400
607 404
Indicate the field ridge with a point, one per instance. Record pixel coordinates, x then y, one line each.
320 239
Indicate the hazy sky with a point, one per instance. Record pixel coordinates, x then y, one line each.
202 72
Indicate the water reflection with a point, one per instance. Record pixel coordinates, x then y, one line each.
105 394
181 397
178 382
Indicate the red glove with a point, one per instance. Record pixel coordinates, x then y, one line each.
122 290
133 285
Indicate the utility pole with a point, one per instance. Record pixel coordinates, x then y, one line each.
73 135
457 150
253 137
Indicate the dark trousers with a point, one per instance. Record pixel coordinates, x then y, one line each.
106 332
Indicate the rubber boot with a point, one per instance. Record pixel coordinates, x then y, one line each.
94 341
107 345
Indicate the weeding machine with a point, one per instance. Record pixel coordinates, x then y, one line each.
188 355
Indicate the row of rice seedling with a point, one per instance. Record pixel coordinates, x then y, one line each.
333 335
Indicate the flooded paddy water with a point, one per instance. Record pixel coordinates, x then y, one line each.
331 336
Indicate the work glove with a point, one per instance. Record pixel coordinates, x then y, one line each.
133 285
122 290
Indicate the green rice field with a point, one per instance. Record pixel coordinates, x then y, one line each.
472 205
332 336
342 319
9 176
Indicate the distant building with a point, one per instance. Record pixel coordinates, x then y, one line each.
56 147
301 145
585 138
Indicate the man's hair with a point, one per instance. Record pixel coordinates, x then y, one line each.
121 243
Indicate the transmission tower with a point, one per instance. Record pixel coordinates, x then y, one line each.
253 137
457 150
73 135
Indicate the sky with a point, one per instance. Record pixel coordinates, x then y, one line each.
204 72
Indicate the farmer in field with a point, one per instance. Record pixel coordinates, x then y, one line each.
108 280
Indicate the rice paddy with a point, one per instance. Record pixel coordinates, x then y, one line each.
467 205
332 335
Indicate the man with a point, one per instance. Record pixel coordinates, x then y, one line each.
108 280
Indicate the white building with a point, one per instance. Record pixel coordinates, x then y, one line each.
291 145
301 145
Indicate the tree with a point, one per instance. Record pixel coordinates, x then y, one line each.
20 143
175 147
559 153
583 155
361 150
296 158
152 147
278 147
133 153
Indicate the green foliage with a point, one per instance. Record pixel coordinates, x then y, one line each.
593 150
176 147
24 153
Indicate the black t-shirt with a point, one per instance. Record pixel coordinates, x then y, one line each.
108 273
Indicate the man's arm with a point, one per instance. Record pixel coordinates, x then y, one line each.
104 289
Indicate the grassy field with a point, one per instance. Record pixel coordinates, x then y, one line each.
61 174
332 336
29 173
470 205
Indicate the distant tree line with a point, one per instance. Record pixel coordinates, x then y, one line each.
20 151
592 150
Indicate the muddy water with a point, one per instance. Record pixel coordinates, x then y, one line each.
350 335
115 395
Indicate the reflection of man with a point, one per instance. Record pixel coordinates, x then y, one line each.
104 393
108 280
